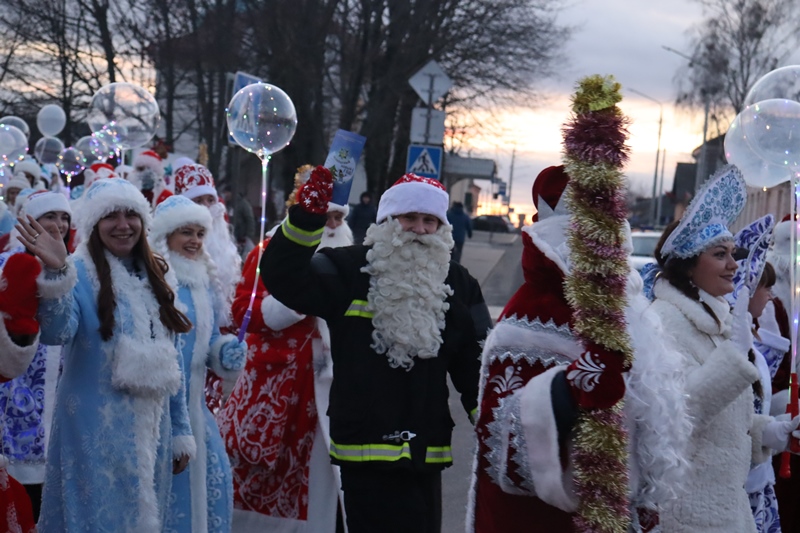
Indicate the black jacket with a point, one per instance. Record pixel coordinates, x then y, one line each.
372 404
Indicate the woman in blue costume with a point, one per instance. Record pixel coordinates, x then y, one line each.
26 403
121 427
202 497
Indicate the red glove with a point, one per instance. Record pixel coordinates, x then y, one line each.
18 294
595 378
315 194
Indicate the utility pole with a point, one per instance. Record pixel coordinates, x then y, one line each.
653 210
661 186
511 178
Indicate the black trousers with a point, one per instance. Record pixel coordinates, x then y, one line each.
392 500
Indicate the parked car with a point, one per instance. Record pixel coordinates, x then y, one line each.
495 223
644 246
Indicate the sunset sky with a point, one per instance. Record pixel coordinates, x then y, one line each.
616 37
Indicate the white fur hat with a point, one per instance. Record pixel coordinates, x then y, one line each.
40 202
18 181
175 212
414 194
149 159
105 196
28 166
332 207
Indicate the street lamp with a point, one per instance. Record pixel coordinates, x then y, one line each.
656 200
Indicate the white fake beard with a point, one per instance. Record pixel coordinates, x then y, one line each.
220 246
407 291
336 238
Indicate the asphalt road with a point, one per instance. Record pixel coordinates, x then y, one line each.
498 284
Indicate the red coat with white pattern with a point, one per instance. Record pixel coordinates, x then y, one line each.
269 422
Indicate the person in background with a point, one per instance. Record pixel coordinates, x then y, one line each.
361 217
202 496
462 228
32 172
148 177
13 187
242 219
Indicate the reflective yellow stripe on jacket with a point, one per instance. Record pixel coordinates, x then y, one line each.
359 453
358 308
301 236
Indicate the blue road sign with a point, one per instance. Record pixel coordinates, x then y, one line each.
424 160
240 81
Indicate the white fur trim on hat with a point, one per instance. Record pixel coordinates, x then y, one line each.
19 181
413 197
181 161
29 166
176 212
123 170
332 207
200 190
41 202
151 160
105 196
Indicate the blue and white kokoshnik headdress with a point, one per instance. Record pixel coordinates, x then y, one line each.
755 238
706 220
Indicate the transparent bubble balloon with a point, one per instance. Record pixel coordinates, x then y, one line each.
13 143
71 161
131 108
262 119
111 135
18 123
756 170
93 149
780 83
772 127
48 149
50 120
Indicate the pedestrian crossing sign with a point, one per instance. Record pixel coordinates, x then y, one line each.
424 160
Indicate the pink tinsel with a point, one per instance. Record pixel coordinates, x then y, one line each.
597 138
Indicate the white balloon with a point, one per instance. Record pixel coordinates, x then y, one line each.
51 120
757 171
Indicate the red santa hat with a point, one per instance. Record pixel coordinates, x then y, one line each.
414 194
96 171
151 160
547 192
41 202
194 180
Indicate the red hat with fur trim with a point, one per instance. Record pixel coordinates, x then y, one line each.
548 191
149 159
194 180
414 194
96 171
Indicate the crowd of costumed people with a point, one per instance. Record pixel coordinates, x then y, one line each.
157 375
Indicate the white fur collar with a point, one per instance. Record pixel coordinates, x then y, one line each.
189 272
694 311
550 236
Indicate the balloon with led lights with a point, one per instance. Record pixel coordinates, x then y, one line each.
772 128
50 120
18 123
127 109
781 83
261 119
71 161
47 150
13 143
94 149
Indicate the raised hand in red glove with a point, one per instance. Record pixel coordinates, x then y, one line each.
596 378
18 299
315 194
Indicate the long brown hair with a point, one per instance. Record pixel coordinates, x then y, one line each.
155 267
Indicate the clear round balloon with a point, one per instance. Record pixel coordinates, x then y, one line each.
772 127
50 120
47 150
262 119
780 83
71 161
93 149
111 134
756 170
18 123
13 143
128 107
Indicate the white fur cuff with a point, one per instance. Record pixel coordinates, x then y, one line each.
277 316
773 340
54 288
541 435
184 445
14 359
215 359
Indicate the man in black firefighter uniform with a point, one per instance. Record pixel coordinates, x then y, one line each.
401 317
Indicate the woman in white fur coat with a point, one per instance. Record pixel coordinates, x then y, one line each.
202 497
120 426
695 256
